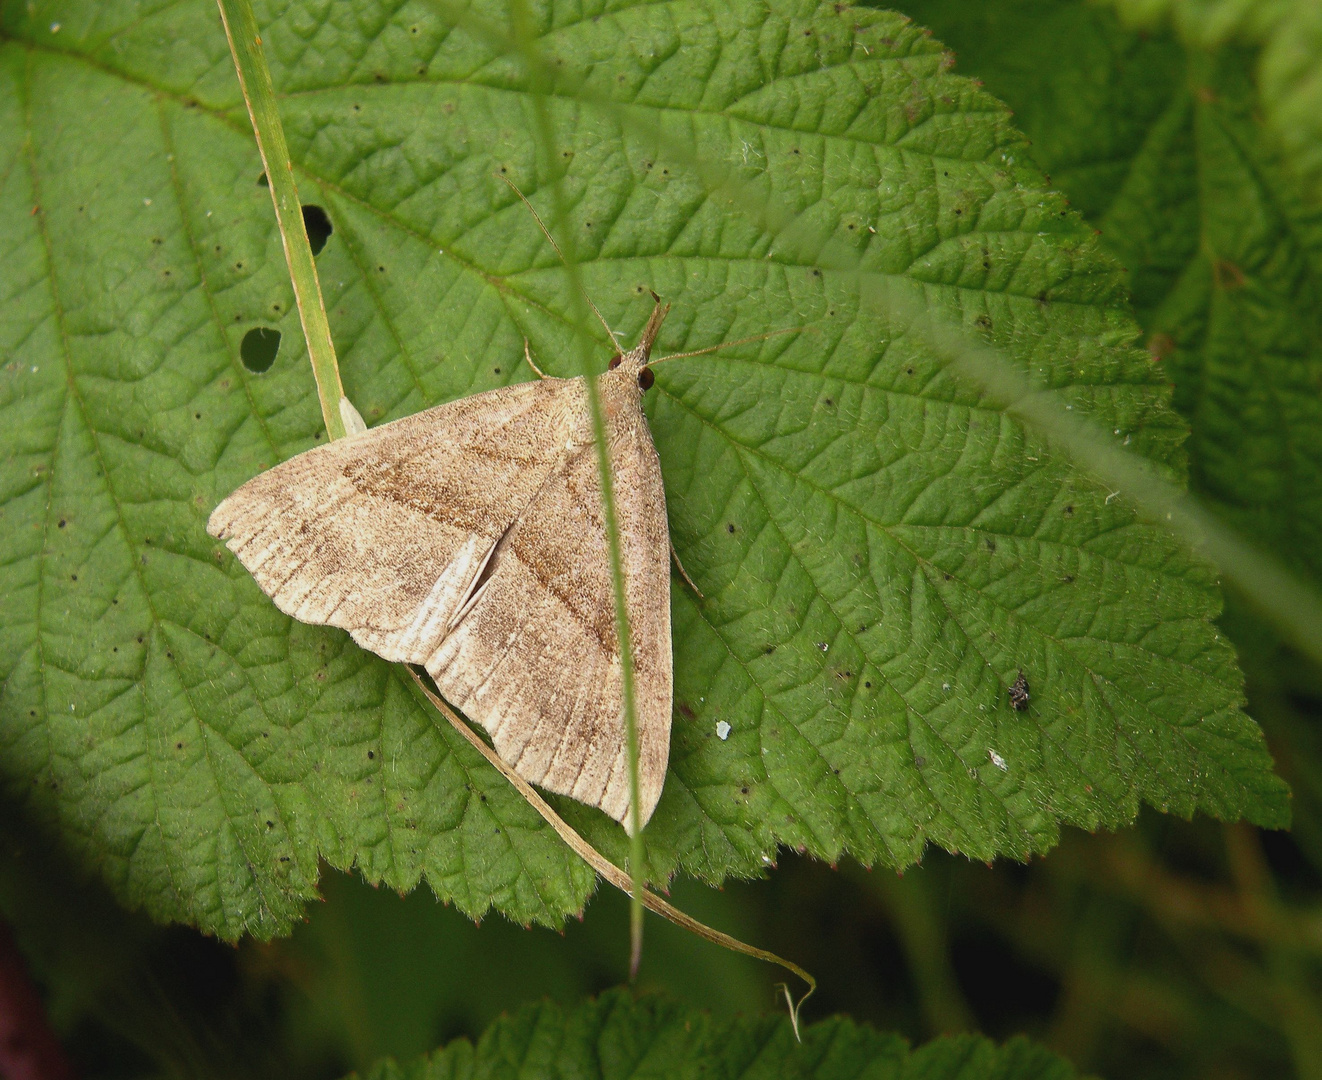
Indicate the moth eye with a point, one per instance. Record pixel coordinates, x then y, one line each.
615 362
646 378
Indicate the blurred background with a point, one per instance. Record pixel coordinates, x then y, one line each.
1172 950
1175 949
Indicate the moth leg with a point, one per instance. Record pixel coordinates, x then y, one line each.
682 572
527 355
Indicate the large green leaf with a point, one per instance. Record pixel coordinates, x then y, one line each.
618 1036
880 551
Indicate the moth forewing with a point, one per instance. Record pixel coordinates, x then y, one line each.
471 539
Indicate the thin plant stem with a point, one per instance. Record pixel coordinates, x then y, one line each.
255 81
607 869
544 133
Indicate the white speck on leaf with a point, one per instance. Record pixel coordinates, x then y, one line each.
722 730
997 760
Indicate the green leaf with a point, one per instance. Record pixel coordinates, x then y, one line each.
618 1036
1289 68
881 552
1290 86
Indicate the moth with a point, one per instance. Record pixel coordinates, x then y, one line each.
470 539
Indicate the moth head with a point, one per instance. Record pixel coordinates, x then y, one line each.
635 360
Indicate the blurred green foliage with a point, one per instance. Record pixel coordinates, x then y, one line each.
1174 949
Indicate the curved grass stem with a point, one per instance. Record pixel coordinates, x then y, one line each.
608 870
523 41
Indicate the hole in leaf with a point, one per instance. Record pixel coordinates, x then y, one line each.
262 181
318 225
260 344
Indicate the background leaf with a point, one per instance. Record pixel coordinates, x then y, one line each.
617 1036
1289 66
881 553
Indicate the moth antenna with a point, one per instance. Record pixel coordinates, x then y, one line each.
653 327
730 344
551 240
